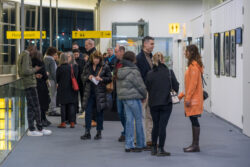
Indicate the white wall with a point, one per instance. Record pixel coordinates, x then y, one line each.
246 69
226 93
157 13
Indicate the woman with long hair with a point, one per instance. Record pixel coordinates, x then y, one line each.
193 96
66 95
159 81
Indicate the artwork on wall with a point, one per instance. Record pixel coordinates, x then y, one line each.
238 35
227 53
217 54
233 53
222 54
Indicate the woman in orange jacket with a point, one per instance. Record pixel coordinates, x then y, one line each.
193 97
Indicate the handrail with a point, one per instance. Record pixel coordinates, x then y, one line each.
18 79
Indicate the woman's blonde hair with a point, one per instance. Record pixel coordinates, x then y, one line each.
157 58
63 59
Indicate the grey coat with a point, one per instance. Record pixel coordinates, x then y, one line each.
129 83
50 66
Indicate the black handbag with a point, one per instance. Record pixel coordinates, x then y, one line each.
205 94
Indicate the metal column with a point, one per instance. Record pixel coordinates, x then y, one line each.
22 26
50 25
41 26
36 22
57 24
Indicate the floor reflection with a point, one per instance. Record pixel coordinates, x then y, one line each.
12 123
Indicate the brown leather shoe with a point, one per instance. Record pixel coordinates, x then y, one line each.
62 125
93 123
72 125
149 143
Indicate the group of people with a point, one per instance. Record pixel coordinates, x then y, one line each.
141 91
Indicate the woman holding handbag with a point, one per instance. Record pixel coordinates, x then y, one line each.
160 81
193 100
96 75
66 95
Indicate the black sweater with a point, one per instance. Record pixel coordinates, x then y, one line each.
158 85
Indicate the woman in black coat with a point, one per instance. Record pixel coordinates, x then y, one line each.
67 97
94 96
42 87
159 81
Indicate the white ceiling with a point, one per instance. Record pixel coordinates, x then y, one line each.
70 4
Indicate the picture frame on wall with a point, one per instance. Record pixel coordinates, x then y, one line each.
217 54
222 54
238 35
227 53
233 53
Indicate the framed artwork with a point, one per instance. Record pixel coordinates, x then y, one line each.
233 53
217 54
222 54
227 53
238 35
202 42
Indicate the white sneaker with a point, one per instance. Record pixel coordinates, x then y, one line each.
46 132
34 133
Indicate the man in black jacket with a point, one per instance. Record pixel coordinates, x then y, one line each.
145 64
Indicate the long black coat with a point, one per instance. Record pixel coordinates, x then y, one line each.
65 92
42 88
159 86
100 89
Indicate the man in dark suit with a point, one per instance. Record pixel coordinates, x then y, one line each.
144 63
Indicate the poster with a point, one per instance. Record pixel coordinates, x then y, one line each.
233 53
222 54
217 54
227 53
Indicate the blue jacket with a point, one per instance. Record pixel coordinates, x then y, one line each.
143 64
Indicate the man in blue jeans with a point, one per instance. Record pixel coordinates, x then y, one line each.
119 52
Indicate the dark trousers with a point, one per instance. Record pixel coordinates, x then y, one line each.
160 116
43 115
194 121
91 107
68 110
34 111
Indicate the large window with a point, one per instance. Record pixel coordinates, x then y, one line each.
7 47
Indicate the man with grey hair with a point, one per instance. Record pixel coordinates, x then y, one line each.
90 48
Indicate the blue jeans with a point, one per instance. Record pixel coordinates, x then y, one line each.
121 113
133 109
88 114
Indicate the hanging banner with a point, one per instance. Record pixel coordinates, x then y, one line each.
27 34
91 34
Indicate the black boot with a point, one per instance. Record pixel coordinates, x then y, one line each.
162 152
154 149
86 136
98 135
194 147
